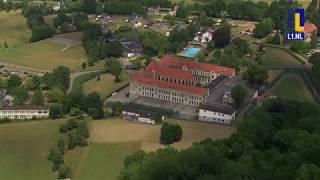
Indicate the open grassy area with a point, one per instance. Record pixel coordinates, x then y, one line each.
14 29
292 86
112 140
100 161
111 131
24 149
273 74
275 56
47 54
105 86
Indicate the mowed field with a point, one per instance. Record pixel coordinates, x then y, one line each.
113 139
105 86
13 29
116 130
275 56
100 161
292 86
65 49
24 149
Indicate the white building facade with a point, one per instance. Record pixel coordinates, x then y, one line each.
24 112
218 113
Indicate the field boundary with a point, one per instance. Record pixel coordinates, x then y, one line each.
297 57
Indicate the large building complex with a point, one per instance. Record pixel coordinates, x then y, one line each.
177 81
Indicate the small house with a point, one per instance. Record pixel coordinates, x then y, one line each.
218 113
205 36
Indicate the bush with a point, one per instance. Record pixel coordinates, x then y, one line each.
63 128
74 111
170 133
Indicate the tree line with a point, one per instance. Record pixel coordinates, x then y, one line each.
279 140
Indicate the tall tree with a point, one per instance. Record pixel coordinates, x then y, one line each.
238 94
37 98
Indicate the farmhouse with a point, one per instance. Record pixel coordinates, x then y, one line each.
219 113
177 81
24 112
205 36
309 29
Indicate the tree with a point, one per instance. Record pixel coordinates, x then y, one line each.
74 111
29 84
64 172
92 100
238 94
158 118
61 145
222 36
203 19
14 81
182 11
5 44
37 98
210 46
3 83
314 58
55 95
84 65
20 95
112 49
114 67
170 133
96 113
56 157
240 46
314 40
41 32
263 28
55 111
300 47
36 81
255 74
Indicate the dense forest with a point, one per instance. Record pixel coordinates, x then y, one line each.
278 140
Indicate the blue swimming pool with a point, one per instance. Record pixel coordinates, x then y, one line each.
191 52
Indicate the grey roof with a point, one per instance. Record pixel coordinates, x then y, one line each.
220 108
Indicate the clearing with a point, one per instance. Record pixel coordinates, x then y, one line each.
116 130
100 161
105 86
275 56
24 150
14 29
64 49
292 86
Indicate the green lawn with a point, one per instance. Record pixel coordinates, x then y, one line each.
14 29
47 54
24 149
292 86
105 86
274 56
100 161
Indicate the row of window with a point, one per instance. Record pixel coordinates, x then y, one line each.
24 112
219 114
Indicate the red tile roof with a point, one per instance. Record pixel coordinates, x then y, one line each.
170 61
142 77
310 27
160 69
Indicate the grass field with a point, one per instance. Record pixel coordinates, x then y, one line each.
122 131
105 86
101 161
273 74
292 86
14 29
47 54
24 149
112 140
274 56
